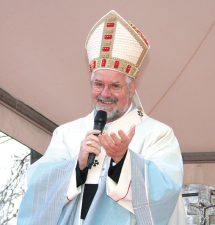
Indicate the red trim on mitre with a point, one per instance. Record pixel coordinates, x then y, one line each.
103 62
128 69
110 24
138 31
106 49
116 64
108 36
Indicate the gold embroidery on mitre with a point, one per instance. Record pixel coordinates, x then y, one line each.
111 18
105 59
91 66
107 43
105 55
109 31
132 70
98 63
110 63
107 37
122 66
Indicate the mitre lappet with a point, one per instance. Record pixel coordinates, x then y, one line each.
116 44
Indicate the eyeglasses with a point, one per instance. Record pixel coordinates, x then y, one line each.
112 87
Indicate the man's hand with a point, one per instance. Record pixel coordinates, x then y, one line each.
85 149
116 147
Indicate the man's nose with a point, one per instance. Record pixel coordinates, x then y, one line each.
106 92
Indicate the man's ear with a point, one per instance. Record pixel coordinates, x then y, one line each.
133 86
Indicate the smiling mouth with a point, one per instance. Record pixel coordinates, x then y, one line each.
106 102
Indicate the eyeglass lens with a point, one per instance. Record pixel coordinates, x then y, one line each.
99 86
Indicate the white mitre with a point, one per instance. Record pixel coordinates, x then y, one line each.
116 44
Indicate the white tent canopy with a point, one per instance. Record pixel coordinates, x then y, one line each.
44 76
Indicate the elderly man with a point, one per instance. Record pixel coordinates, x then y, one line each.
137 173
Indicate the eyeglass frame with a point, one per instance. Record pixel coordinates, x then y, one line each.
108 86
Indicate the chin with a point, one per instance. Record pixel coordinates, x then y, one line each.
105 108
112 113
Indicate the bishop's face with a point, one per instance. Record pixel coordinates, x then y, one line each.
115 104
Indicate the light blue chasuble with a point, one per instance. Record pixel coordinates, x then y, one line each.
44 199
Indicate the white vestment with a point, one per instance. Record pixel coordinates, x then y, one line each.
153 141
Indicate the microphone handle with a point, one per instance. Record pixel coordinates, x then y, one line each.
91 156
90 161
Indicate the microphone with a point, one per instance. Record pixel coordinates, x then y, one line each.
99 124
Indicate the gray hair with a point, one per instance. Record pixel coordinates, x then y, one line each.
128 81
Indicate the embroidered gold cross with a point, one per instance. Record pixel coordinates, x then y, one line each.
140 113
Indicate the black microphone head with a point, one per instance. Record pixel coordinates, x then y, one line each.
101 118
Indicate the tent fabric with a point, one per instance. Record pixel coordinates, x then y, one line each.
199 174
23 130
